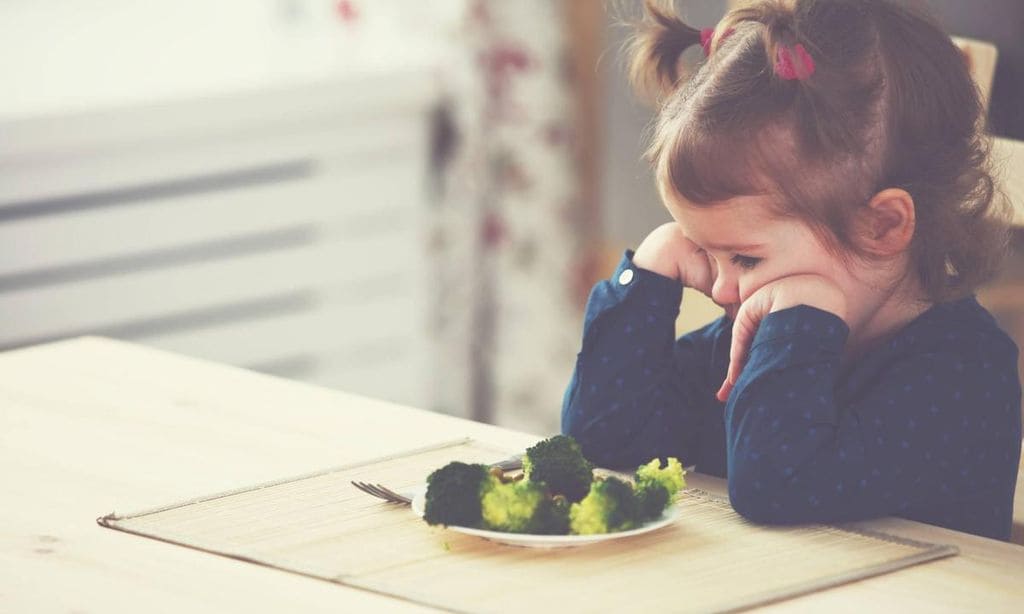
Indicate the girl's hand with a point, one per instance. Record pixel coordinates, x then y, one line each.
812 290
667 251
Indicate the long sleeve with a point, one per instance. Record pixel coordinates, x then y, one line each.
932 432
637 392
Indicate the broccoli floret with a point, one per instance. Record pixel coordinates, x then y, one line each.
511 507
552 517
657 486
670 476
652 499
454 494
523 507
559 464
609 506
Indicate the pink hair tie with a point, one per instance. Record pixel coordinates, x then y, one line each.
705 38
790 70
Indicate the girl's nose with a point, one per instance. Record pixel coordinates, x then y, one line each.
725 290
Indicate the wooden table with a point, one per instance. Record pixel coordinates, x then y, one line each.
89 426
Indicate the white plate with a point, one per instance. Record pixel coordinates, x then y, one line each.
548 541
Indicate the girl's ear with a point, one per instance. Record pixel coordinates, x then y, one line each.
886 223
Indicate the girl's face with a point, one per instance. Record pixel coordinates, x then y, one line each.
749 247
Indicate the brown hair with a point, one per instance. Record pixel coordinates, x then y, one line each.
890 104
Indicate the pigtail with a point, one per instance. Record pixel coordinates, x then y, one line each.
784 49
787 55
655 48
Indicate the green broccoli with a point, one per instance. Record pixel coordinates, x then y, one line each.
657 486
454 494
670 476
552 517
560 465
523 507
652 500
558 496
609 506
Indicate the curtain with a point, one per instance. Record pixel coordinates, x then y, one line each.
512 239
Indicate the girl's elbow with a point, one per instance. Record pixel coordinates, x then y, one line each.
585 434
601 446
575 430
574 422
752 497
749 504
596 450
773 499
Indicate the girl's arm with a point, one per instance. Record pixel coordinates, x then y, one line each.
637 392
934 425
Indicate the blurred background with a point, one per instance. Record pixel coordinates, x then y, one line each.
402 199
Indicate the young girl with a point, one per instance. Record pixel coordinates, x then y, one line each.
827 177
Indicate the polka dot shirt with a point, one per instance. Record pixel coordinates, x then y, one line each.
926 425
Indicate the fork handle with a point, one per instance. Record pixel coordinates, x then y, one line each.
510 464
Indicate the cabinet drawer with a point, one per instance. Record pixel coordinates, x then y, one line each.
309 328
101 305
152 222
68 156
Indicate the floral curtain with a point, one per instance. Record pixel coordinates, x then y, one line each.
509 230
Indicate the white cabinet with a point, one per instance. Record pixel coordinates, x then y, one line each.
276 228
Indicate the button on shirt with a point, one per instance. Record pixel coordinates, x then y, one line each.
926 425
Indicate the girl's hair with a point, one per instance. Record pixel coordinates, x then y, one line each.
889 103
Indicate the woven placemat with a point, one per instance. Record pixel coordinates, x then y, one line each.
710 559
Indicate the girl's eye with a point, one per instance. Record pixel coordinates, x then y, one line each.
745 262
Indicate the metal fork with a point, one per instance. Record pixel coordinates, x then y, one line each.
382 492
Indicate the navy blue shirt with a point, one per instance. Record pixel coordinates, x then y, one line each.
926 425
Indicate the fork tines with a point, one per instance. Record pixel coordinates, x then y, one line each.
381 492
